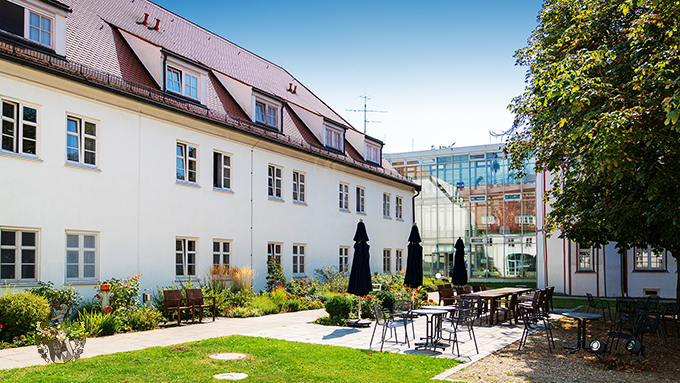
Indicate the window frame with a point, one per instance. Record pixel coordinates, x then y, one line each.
386 205
361 200
372 152
274 188
81 278
343 259
343 196
271 109
398 260
275 250
186 160
219 171
183 69
184 252
28 26
399 208
221 253
648 253
18 248
20 124
82 136
387 261
582 265
299 187
299 258
334 137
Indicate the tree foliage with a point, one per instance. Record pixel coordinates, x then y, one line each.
601 112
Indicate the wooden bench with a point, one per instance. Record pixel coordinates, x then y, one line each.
174 302
196 296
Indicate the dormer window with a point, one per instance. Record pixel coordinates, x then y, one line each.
372 152
42 23
267 111
40 29
333 137
185 79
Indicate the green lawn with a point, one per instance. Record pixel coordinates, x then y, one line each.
272 361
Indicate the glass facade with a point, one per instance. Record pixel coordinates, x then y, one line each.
471 193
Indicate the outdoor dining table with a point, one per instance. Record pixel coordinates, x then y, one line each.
433 329
582 319
494 294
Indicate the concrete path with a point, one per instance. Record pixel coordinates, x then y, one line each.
288 326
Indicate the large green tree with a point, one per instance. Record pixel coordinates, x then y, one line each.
601 111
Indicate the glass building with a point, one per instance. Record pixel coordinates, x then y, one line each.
470 192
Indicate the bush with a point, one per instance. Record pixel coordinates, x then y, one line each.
279 296
292 305
429 288
302 287
124 292
339 307
337 281
65 295
243 312
275 276
109 324
385 298
96 323
265 304
144 318
19 313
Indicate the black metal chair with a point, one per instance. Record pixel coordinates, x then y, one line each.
626 308
463 320
402 310
651 303
635 328
598 304
671 314
532 323
384 320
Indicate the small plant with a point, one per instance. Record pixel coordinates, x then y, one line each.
279 296
293 305
124 292
243 312
65 295
386 299
336 281
19 312
265 304
91 321
241 278
339 307
302 287
144 318
275 276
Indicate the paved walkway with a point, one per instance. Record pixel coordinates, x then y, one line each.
288 326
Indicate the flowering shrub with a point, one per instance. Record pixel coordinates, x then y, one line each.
124 292
302 287
46 333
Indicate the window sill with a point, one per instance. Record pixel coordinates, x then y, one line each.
300 276
185 183
344 211
190 278
387 217
361 213
399 219
19 283
585 272
299 203
276 199
222 190
649 271
78 165
21 156
83 282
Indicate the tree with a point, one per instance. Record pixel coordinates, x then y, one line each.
600 112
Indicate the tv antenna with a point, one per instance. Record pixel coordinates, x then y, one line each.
366 98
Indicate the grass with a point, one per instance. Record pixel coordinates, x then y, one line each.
271 360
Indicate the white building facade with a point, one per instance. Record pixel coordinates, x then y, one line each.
125 150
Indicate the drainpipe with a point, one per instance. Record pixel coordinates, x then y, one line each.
252 165
413 204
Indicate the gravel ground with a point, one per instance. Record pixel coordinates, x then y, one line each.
536 363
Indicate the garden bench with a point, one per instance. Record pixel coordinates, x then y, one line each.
173 301
196 296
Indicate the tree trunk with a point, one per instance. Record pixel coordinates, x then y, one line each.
676 255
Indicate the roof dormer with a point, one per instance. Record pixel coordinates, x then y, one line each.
372 150
39 23
185 78
266 110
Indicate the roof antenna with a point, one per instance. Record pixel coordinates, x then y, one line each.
365 97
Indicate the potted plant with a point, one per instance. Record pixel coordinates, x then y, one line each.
60 341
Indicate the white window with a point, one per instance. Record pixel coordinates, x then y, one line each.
274 252
221 253
344 196
527 219
81 256
361 194
185 258
649 259
81 141
221 171
585 261
372 153
299 259
386 205
182 80
40 29
18 255
19 128
187 163
267 111
299 187
333 137
398 260
274 174
488 219
343 259
387 261
398 207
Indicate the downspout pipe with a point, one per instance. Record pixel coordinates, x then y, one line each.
413 203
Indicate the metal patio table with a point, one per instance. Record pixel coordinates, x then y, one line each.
433 329
582 319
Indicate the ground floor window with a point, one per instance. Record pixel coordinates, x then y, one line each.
185 257
387 261
649 259
274 252
299 259
81 256
585 262
18 255
343 264
221 252
398 260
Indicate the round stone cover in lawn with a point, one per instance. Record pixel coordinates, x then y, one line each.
227 356
231 376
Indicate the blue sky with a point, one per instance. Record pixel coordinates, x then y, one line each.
442 69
